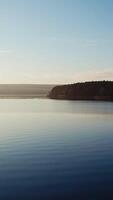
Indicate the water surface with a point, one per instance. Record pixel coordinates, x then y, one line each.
56 149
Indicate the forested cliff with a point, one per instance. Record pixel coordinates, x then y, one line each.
96 90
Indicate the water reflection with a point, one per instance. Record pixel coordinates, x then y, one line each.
48 106
55 150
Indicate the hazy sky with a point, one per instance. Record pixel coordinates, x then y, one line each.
56 41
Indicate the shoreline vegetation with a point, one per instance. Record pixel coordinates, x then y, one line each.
95 90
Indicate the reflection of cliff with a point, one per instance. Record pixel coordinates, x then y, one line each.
98 90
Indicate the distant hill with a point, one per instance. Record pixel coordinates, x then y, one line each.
24 90
97 90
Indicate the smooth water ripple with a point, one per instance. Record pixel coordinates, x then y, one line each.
56 150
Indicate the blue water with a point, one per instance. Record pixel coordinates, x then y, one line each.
54 150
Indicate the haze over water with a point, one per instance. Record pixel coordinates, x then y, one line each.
56 149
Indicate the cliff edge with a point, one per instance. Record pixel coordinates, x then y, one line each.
96 90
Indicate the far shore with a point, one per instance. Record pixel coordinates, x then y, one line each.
24 91
22 97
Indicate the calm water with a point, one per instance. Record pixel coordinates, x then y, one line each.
56 150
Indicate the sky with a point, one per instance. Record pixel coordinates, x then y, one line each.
56 41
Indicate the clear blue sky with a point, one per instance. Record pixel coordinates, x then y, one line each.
56 41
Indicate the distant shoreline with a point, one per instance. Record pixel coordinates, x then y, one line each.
24 91
22 97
